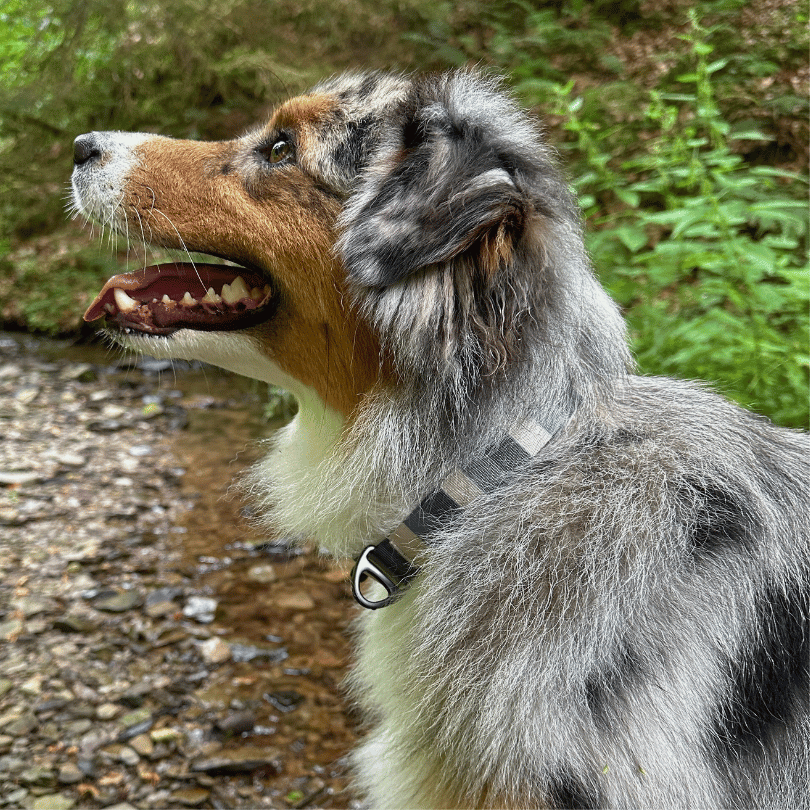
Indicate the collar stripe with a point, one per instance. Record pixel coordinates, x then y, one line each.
393 570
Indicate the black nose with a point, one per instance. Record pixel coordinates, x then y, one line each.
85 149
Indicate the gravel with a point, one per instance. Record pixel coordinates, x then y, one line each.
154 651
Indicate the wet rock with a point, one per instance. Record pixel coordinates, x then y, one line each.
262 572
81 372
295 601
142 744
69 774
56 801
74 624
248 652
136 718
161 602
240 760
201 609
237 723
190 797
22 726
215 651
38 776
15 797
15 479
285 700
107 711
116 601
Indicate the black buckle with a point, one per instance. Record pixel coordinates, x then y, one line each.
384 564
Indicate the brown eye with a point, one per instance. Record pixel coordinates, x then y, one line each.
280 151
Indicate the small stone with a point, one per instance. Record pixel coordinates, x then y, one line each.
81 372
161 602
241 653
165 735
32 605
22 726
107 711
128 755
190 797
5 743
285 700
74 624
201 609
136 718
69 774
32 686
25 396
295 601
70 459
142 745
5 686
241 760
237 723
55 801
263 572
215 651
38 776
15 798
117 601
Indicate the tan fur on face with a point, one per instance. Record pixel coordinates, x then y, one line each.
223 199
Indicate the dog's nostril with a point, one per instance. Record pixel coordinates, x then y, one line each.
85 149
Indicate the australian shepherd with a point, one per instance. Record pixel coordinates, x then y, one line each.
580 587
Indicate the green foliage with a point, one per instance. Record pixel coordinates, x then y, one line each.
692 226
708 256
48 293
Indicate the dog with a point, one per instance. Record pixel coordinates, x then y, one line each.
590 588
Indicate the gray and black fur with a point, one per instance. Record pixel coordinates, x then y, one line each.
625 622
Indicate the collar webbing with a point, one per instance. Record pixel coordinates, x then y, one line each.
386 563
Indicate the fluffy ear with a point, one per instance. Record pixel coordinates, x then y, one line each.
438 189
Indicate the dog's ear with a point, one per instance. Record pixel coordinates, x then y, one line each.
439 188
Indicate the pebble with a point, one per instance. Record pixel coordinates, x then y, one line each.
69 774
56 801
263 572
106 711
117 601
240 760
215 651
201 609
295 601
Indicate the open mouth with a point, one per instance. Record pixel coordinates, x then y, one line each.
165 297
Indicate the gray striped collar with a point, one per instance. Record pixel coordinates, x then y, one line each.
390 562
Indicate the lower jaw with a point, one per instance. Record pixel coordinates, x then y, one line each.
120 321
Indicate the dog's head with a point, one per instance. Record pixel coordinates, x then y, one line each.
383 229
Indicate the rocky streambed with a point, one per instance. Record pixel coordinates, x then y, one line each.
155 651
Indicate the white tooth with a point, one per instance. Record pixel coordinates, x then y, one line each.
239 288
187 300
123 301
228 296
166 299
109 308
256 294
210 297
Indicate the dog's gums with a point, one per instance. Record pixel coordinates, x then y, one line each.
165 297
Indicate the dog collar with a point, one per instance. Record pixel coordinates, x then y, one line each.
390 562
